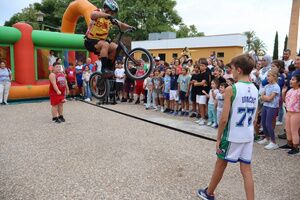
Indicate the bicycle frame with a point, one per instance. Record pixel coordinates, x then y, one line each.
121 46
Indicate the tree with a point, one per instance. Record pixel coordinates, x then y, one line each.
285 42
250 38
147 15
258 46
253 43
275 50
188 31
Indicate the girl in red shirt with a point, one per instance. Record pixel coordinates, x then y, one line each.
57 89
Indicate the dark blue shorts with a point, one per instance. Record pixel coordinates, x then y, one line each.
167 96
182 96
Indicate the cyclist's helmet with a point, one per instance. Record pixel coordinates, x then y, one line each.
112 5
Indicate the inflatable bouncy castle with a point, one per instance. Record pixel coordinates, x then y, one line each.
25 50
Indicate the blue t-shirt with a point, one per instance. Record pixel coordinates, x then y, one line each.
269 89
174 83
167 84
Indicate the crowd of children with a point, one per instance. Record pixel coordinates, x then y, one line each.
196 89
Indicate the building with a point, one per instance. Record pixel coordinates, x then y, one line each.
226 46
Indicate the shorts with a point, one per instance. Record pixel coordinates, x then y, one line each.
57 99
235 152
182 96
174 95
167 96
119 86
193 96
157 93
139 89
129 87
201 99
90 45
71 85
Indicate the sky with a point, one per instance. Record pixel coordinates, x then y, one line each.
214 17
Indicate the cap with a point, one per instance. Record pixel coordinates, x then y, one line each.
157 58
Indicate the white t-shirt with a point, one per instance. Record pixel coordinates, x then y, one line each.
99 65
51 60
211 98
287 63
120 73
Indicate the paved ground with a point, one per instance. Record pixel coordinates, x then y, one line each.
98 154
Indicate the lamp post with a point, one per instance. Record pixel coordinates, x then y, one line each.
40 18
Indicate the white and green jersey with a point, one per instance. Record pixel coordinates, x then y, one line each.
244 101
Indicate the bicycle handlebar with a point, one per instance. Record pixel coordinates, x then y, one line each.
114 21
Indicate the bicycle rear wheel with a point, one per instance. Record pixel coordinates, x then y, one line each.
100 86
138 59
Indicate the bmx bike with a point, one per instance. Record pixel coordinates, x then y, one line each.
101 86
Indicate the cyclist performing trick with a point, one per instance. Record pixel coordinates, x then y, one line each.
96 36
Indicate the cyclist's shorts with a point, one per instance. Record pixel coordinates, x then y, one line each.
90 44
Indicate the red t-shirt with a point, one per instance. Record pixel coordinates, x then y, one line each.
71 75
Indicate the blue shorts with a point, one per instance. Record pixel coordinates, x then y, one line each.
182 96
167 96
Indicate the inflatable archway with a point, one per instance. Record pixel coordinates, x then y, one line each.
75 10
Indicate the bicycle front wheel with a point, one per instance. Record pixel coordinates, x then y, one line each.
99 86
138 64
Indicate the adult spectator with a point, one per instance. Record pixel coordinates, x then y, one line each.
5 79
89 63
228 72
266 67
51 58
286 59
158 65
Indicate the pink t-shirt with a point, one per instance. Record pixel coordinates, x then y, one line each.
292 100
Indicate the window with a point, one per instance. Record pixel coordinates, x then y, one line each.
175 55
220 54
162 56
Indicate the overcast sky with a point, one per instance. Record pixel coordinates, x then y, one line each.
215 17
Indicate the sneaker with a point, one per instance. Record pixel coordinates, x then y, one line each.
278 123
193 114
203 195
282 136
56 120
264 141
162 109
137 101
286 146
214 125
209 123
175 113
197 121
202 122
155 109
293 151
271 146
61 118
87 100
